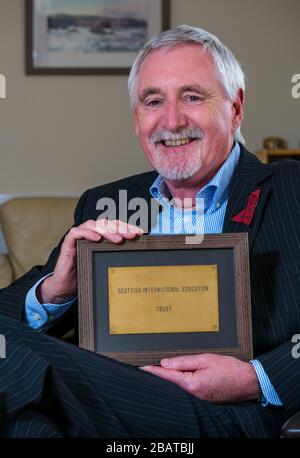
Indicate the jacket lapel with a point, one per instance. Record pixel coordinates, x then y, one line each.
140 197
250 175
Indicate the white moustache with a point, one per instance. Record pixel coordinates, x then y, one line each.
184 134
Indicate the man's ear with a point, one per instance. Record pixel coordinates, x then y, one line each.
238 109
136 122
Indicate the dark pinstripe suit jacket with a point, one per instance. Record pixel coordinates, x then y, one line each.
274 240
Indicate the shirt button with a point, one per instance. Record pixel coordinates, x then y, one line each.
218 205
187 219
36 316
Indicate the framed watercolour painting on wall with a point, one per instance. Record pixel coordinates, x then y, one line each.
87 37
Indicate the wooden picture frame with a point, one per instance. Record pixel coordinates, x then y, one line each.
228 251
82 38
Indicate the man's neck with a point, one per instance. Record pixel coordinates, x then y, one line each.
188 189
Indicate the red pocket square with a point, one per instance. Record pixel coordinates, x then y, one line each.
246 215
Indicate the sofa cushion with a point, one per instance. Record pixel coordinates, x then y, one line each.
32 226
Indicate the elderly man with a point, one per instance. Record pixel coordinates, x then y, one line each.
187 94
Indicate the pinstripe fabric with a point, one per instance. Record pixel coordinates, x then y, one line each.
275 268
51 389
32 424
275 284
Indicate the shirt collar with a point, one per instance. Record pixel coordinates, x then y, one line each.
214 192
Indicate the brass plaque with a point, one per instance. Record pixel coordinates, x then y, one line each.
163 299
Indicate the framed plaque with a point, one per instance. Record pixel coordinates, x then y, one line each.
156 297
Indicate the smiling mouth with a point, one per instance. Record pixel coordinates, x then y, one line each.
178 142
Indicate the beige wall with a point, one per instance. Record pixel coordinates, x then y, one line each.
61 135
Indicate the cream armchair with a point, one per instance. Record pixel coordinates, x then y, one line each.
32 226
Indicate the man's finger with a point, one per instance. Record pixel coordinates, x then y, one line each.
185 363
173 376
127 228
77 233
111 237
117 227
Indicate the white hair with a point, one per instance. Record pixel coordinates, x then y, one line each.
232 75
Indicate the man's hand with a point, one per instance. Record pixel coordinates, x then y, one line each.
62 285
220 379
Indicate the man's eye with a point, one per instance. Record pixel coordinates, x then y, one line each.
193 98
153 103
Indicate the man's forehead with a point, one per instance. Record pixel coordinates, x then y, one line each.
159 65
162 65
171 57
172 50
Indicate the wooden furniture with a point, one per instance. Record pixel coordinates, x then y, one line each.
271 155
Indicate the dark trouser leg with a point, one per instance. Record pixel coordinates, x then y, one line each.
32 424
87 395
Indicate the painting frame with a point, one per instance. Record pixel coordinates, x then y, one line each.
32 68
235 336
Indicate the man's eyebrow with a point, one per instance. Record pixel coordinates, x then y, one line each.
195 88
148 91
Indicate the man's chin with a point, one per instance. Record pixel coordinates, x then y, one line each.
178 175
173 165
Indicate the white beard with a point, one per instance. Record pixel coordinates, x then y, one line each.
177 169
177 165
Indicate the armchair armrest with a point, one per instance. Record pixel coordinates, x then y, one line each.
6 271
291 427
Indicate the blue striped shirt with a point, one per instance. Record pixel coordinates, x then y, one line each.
214 196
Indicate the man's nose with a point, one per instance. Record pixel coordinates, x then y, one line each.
174 116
